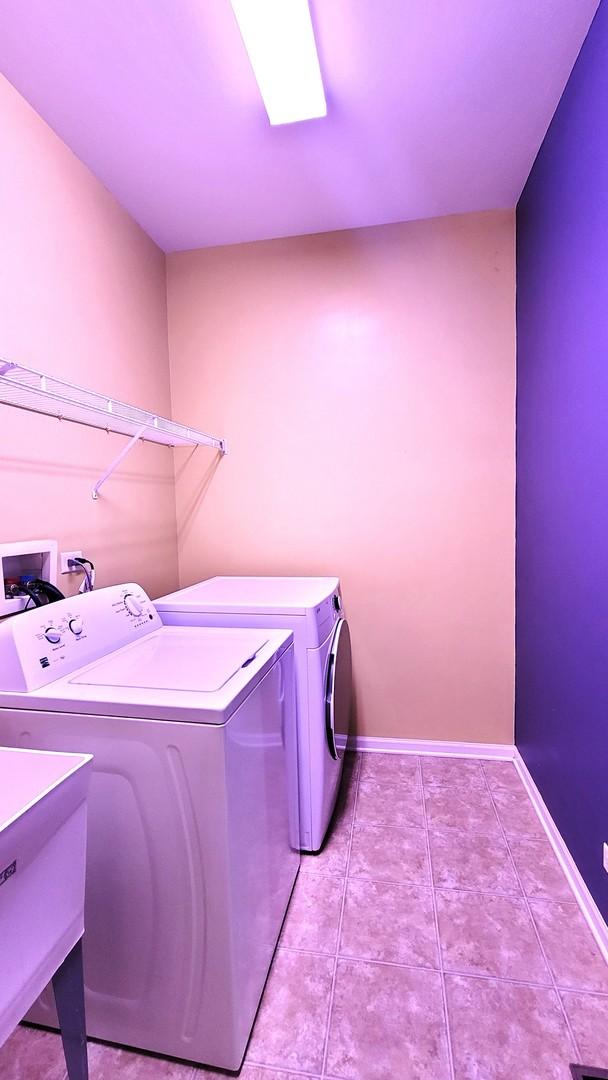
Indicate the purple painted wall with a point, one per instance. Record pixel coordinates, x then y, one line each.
562 467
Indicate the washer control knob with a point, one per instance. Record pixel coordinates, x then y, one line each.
75 625
52 634
133 605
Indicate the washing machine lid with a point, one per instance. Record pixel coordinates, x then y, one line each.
266 595
203 663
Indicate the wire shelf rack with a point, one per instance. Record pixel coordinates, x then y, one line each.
26 388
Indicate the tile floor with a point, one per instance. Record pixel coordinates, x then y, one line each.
434 938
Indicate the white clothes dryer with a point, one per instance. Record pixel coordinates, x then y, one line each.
312 608
190 865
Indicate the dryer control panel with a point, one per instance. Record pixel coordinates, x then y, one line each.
39 646
326 615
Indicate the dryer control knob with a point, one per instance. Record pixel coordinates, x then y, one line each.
52 634
75 625
133 605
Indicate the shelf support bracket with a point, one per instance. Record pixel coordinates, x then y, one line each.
139 434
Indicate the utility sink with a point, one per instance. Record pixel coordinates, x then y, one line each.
42 871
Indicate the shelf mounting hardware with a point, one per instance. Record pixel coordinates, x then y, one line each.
119 457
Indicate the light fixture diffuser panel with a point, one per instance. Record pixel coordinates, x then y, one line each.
280 43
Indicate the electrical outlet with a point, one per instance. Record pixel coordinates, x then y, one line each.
606 858
63 562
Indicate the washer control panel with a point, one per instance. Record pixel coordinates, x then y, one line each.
132 604
39 646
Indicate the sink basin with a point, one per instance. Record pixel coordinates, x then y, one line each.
42 871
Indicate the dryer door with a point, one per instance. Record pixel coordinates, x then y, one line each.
339 690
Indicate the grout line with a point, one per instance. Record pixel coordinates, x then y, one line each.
448 970
410 781
329 875
444 996
448 889
397 828
356 777
382 881
307 952
522 982
574 990
505 895
365 960
526 900
501 979
268 1068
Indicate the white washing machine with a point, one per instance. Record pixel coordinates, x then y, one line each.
190 865
312 609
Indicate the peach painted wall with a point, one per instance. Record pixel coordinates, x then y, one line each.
82 295
365 381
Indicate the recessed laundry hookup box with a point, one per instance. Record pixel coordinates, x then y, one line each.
36 558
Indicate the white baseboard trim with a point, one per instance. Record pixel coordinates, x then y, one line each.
497 751
583 897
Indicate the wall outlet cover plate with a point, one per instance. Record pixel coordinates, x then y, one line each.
63 562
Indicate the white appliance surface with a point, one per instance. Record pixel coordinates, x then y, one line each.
42 864
27 776
312 609
211 675
163 672
192 828
172 659
280 595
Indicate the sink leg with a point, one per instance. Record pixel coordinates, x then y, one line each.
68 988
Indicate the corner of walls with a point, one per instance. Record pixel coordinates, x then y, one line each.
179 455
514 448
171 413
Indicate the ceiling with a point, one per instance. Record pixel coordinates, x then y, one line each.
434 107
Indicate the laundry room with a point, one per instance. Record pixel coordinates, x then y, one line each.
303 456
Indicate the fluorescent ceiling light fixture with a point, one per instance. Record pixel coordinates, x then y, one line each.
281 45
